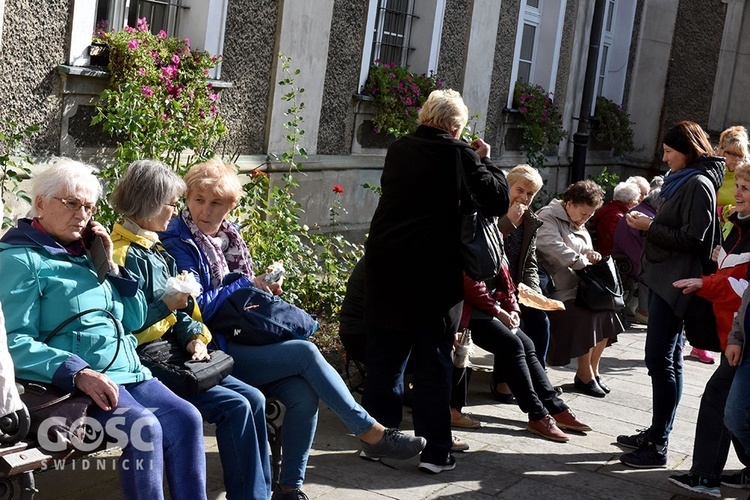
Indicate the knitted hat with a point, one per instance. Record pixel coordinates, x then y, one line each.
675 139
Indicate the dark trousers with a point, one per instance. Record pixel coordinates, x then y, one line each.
712 438
429 348
461 379
664 363
517 363
535 324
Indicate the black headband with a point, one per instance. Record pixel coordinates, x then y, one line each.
675 139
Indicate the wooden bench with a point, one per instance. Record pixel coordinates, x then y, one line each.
21 455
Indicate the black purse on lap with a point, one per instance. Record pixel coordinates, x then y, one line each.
175 368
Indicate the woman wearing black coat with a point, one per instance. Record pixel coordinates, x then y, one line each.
679 243
414 272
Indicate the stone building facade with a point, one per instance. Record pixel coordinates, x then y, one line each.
667 60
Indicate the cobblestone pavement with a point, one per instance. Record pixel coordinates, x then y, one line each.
505 461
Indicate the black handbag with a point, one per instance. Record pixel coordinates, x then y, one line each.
62 413
175 368
254 317
600 287
481 240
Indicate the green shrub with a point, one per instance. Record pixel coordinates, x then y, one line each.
159 103
540 121
317 262
14 165
614 126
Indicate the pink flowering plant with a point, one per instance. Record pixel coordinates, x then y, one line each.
540 121
614 127
159 102
398 95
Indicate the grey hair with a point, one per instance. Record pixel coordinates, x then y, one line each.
639 181
653 198
627 192
657 182
144 189
66 177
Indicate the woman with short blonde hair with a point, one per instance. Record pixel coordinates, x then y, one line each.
444 109
204 242
416 227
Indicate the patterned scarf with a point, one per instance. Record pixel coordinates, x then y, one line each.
225 252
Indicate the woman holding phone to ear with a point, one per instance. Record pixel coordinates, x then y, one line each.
47 278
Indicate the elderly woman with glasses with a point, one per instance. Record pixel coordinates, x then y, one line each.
48 276
147 198
564 245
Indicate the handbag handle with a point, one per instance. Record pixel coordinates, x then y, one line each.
593 276
118 329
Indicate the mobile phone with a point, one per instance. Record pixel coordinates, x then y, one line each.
87 235
95 246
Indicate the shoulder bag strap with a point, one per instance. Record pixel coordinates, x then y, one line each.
118 329
462 181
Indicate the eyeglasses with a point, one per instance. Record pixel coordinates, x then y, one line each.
175 206
75 205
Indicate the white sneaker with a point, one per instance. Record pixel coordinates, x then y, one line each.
450 464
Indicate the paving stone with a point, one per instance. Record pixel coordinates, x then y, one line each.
505 461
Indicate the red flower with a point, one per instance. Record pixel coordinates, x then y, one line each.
337 189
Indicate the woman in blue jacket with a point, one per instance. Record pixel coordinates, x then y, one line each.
204 243
48 276
147 198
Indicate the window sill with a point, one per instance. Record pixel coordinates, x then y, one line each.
101 73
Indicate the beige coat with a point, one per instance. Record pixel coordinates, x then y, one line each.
560 248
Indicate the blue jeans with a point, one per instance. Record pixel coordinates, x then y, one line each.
295 372
737 410
664 363
712 438
238 410
171 441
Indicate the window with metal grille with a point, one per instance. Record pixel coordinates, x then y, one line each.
390 42
160 14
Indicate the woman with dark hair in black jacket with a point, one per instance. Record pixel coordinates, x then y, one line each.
679 243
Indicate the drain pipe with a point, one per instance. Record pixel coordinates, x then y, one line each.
581 137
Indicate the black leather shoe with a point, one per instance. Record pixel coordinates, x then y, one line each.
506 399
603 385
590 388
